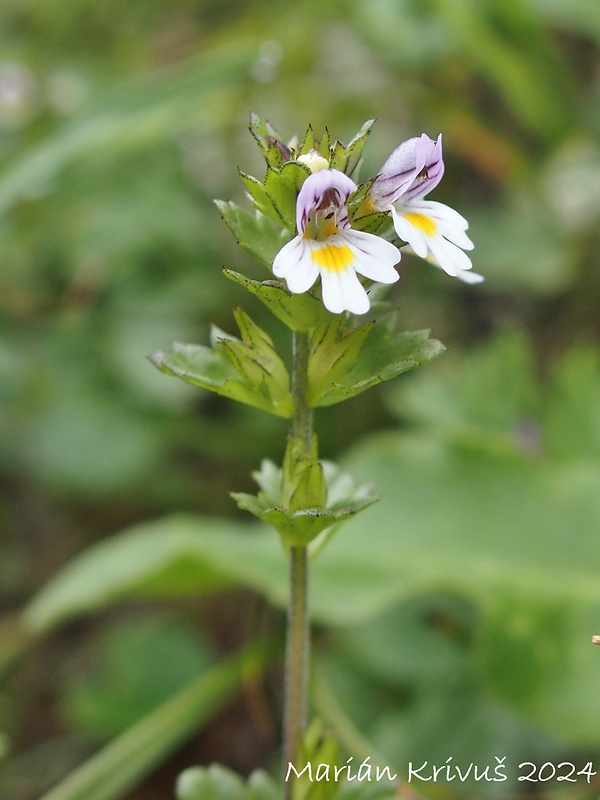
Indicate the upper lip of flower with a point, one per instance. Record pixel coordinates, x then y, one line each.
412 171
323 193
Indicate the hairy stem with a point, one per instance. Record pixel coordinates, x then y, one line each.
296 658
298 635
301 423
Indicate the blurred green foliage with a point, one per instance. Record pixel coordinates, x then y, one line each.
457 614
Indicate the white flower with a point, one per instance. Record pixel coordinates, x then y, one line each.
433 230
326 245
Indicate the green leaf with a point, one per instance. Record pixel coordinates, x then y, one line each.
283 504
515 535
362 216
219 369
113 771
296 460
295 527
300 312
494 396
262 201
418 715
174 557
384 356
488 394
347 157
335 347
379 223
267 138
282 186
252 231
257 362
324 146
208 368
309 142
140 663
570 416
547 665
310 490
453 502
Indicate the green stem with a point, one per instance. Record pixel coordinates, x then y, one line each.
296 660
298 632
301 425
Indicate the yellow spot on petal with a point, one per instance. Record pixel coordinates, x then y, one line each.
423 223
333 257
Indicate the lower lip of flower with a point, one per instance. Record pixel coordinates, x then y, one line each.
333 257
420 221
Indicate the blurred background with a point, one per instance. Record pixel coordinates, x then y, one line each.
455 617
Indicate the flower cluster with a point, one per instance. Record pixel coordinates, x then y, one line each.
327 245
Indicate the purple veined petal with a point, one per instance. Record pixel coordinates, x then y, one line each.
396 174
314 188
414 168
375 258
294 262
431 169
342 291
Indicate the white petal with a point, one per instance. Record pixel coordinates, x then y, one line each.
465 275
468 276
294 263
374 257
448 221
450 257
409 233
342 291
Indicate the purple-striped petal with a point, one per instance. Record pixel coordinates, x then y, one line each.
316 188
414 169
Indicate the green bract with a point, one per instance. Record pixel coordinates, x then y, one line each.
248 370
383 355
254 231
305 497
300 312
